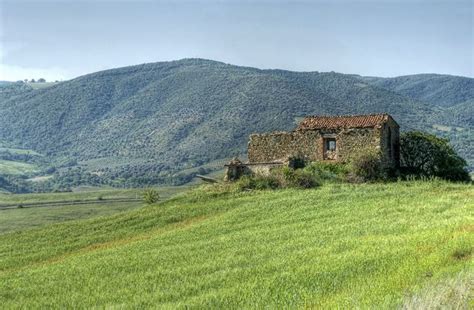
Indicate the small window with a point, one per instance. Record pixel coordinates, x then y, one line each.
331 144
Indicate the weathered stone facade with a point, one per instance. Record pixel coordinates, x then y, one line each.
235 169
279 146
390 143
335 139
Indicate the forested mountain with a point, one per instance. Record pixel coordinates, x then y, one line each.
9 90
461 113
437 89
156 122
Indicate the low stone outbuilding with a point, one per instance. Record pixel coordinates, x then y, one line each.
328 138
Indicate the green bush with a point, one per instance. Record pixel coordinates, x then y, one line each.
333 172
150 196
297 178
279 178
304 179
426 155
367 167
258 182
297 161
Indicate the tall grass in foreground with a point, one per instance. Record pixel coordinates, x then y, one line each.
340 245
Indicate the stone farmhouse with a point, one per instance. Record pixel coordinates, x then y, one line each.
322 138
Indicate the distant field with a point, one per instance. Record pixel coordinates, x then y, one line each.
15 167
40 178
371 246
38 85
19 151
447 128
49 208
20 219
88 194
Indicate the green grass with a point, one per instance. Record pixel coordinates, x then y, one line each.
88 194
26 218
17 219
340 246
16 167
38 85
19 151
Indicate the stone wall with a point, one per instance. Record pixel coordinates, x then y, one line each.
263 169
309 144
279 146
390 144
235 170
356 141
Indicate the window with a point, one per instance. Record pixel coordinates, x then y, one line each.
331 144
329 152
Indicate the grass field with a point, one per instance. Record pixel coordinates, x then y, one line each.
15 167
346 246
26 218
49 208
19 151
39 85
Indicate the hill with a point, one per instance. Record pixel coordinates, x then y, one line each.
339 246
162 122
461 113
437 89
10 90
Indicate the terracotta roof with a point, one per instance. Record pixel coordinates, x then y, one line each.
345 121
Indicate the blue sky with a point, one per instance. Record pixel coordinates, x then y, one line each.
63 39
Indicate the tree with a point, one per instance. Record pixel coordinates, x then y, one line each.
150 196
41 80
428 155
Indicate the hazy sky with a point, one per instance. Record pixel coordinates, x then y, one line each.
63 39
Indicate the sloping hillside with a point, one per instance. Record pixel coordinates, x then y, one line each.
461 113
339 246
147 123
9 90
437 89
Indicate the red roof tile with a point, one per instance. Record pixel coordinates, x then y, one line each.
346 121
